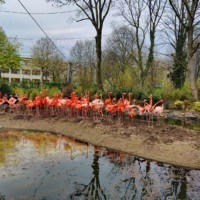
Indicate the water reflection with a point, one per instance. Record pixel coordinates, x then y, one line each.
93 189
46 166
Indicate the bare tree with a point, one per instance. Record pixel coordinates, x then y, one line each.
96 12
192 25
45 56
57 68
117 55
135 15
156 9
83 53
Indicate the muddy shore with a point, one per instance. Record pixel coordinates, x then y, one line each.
163 143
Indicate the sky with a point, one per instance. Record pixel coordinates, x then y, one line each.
63 31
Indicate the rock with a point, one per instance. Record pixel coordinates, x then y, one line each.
190 116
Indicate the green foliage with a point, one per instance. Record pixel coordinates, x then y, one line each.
179 104
94 89
5 88
52 91
33 92
18 91
186 104
196 106
9 53
179 68
158 94
182 93
53 84
79 90
170 93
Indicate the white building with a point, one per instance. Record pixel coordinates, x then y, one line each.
25 73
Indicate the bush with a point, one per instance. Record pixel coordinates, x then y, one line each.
179 104
5 88
33 92
53 85
186 104
67 90
182 93
196 106
19 91
52 91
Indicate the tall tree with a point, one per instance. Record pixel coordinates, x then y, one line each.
135 15
45 56
57 68
117 56
176 38
96 12
9 53
83 53
192 25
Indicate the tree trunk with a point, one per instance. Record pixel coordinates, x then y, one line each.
98 60
191 76
191 66
150 60
42 76
69 73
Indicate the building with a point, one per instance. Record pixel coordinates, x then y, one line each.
25 73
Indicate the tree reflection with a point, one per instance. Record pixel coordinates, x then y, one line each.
7 143
93 189
148 180
2 197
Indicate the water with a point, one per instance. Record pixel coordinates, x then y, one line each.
43 166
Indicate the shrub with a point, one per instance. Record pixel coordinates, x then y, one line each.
196 106
5 88
67 90
33 92
51 92
19 91
182 93
186 104
179 104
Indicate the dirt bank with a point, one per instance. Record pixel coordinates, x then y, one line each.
165 143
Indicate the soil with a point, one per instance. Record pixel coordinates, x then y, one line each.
164 143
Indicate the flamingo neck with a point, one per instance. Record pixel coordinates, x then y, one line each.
151 101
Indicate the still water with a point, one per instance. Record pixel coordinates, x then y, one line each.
44 166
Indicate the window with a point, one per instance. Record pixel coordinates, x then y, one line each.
5 70
15 80
5 79
15 71
27 72
36 72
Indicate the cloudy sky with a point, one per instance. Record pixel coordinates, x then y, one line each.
58 27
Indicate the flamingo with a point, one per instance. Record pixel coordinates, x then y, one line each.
121 106
109 100
158 110
151 108
97 106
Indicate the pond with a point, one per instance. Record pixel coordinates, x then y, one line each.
35 165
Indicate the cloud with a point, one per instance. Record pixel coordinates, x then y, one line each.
56 26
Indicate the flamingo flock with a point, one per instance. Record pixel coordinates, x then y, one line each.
83 106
